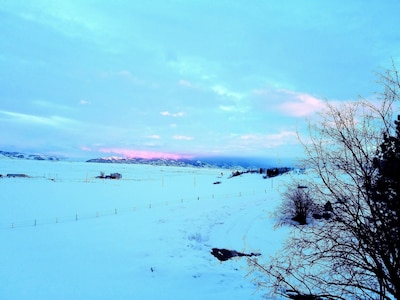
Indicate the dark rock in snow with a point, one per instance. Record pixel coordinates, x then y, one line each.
225 254
297 296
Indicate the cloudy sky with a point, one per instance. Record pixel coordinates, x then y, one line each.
183 77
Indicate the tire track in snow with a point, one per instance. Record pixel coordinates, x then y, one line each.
238 230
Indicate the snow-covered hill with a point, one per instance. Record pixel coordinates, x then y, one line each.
66 235
20 155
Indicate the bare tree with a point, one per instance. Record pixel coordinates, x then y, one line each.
354 254
297 205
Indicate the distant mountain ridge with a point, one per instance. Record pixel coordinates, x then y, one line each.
200 162
18 155
223 163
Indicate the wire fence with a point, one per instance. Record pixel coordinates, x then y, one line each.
79 216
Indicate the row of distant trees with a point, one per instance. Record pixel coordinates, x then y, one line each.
272 172
353 156
269 172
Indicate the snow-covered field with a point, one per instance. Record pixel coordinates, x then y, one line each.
66 235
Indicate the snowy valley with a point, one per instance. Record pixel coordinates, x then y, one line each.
66 234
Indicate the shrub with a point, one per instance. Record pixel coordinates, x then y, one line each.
297 205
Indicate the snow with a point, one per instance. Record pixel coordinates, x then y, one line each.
66 235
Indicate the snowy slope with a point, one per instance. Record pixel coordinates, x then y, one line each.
146 236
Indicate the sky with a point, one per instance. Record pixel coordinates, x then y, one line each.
83 78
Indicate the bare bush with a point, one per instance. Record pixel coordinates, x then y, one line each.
297 205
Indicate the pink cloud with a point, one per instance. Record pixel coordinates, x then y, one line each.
291 102
129 153
301 104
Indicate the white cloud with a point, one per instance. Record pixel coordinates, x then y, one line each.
182 137
53 121
234 108
175 115
84 102
234 102
197 67
185 83
125 75
227 108
269 140
222 91
130 76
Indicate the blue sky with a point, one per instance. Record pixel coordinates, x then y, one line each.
150 78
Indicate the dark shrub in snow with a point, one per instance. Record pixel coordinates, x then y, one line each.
297 205
111 176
